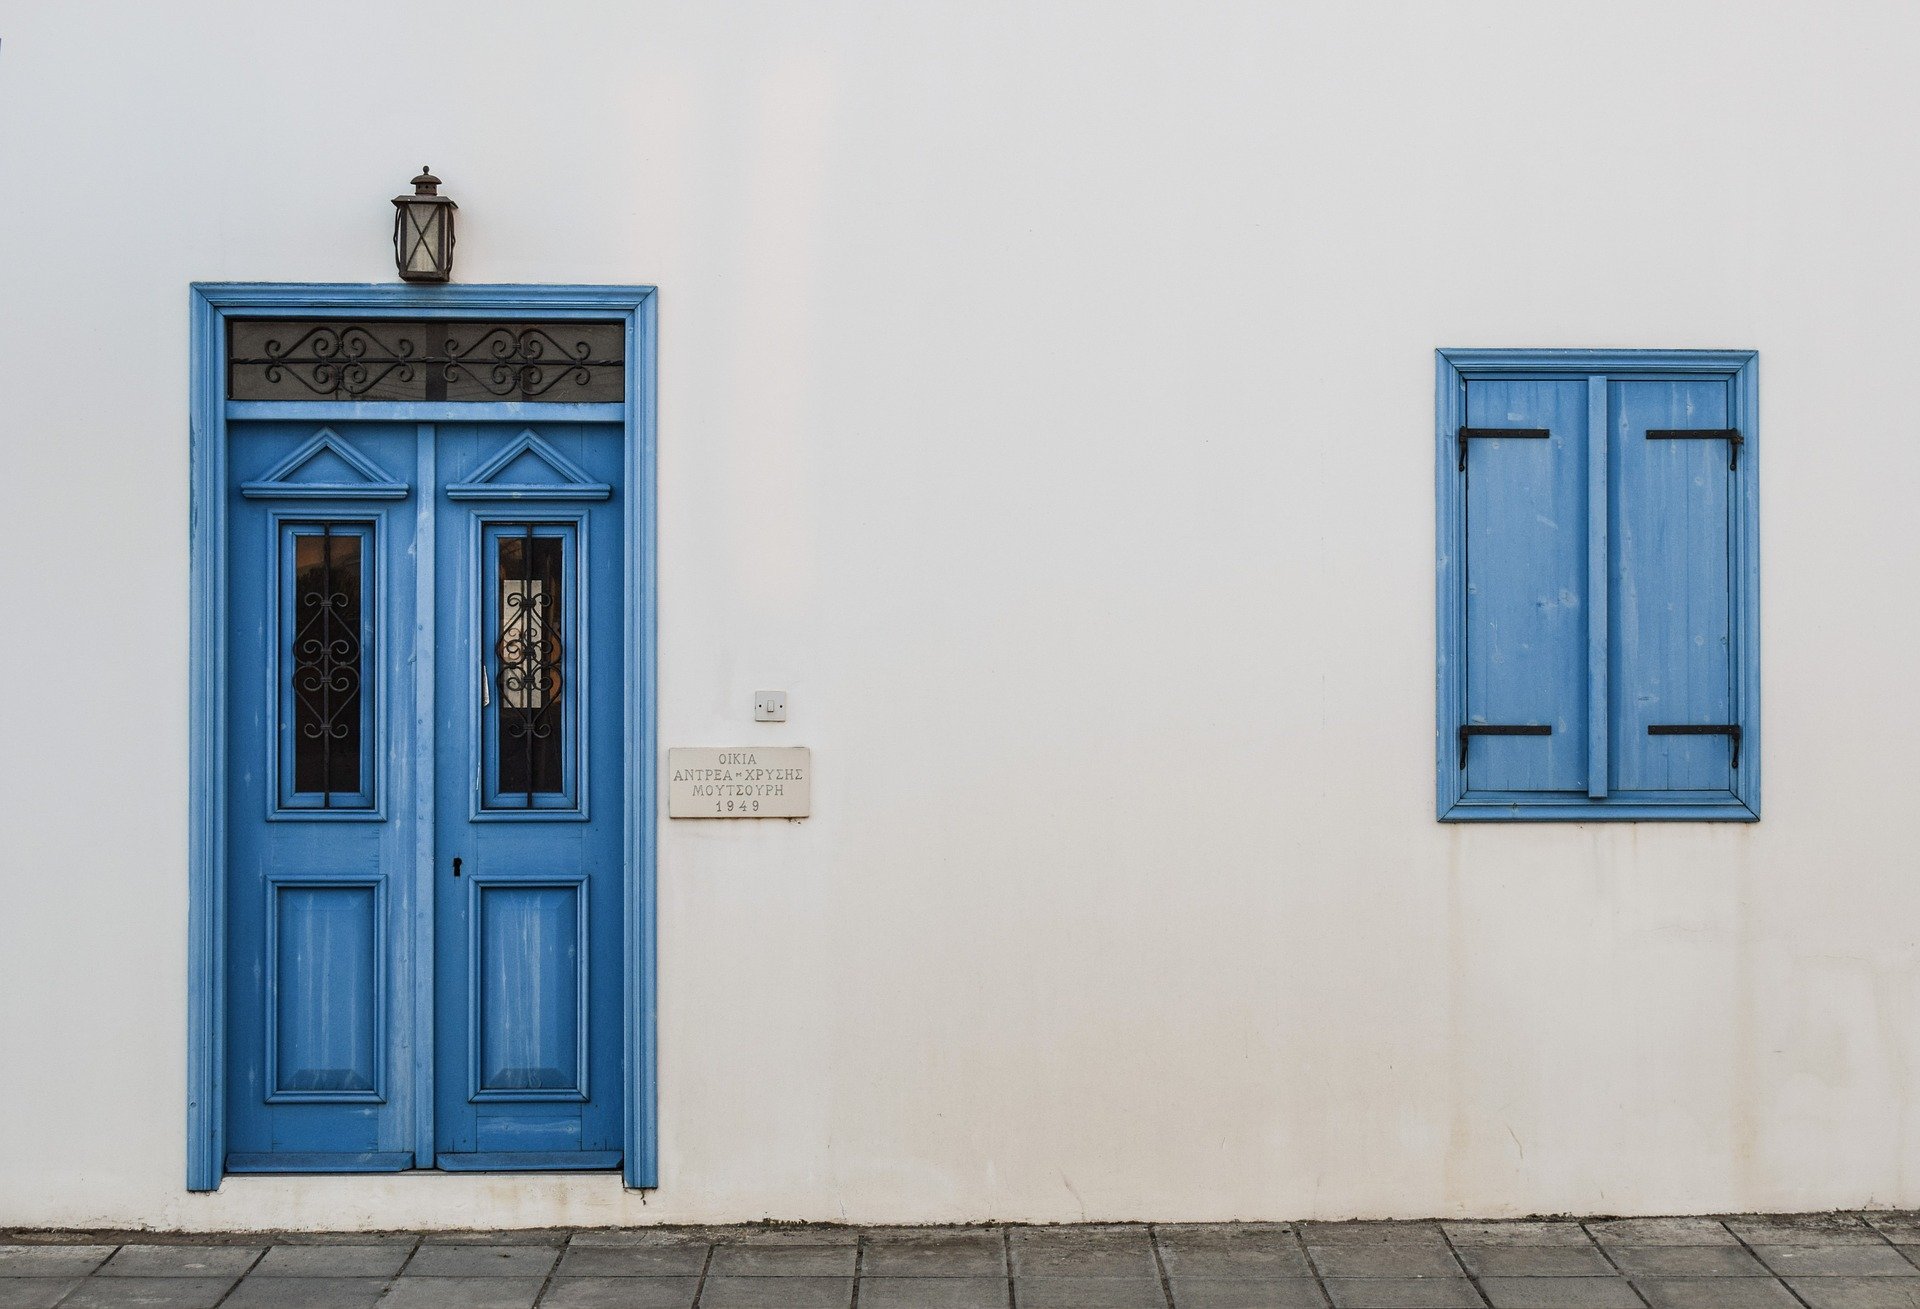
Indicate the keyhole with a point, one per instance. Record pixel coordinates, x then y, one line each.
456 865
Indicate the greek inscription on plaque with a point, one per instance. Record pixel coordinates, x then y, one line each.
744 782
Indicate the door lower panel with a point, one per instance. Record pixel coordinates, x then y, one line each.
530 1161
320 1161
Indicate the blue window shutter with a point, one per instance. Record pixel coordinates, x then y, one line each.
1526 585
1671 575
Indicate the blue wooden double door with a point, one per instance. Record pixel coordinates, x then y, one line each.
424 808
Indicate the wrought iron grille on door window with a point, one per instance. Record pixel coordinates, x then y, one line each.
530 653
326 649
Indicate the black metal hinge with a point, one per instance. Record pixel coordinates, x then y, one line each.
1730 435
1470 730
1729 730
1494 433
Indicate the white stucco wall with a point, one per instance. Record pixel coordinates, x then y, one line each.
1046 403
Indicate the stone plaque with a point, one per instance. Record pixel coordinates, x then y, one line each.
749 781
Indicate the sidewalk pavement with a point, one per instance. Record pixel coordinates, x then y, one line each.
1819 1261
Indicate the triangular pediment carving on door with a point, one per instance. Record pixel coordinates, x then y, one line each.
527 468
325 468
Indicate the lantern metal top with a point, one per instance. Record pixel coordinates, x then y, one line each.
426 187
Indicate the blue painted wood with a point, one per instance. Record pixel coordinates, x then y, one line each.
415 963
211 948
445 411
206 745
1599 550
1672 633
1526 581
528 952
639 681
1691 615
326 992
528 468
531 1161
529 966
313 921
318 1161
325 468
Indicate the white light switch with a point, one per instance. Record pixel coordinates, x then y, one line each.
770 707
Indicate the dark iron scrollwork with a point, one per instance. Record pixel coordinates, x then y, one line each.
338 362
432 361
326 672
515 361
532 661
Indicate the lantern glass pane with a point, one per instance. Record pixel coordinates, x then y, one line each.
424 226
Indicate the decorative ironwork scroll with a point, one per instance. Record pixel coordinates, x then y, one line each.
326 663
383 359
532 660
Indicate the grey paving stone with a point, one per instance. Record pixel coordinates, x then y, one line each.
1088 1293
34 1292
1235 1251
1686 1261
633 1261
1858 1292
620 1293
1421 1234
1661 1231
1559 1293
1902 1228
462 1293
228 1261
776 1293
1246 1293
785 1234
482 1261
51 1260
1389 1260
934 1253
148 1293
1124 1252
259 1240
551 1236
1517 1233
1402 1293
1836 1261
332 1261
1715 1293
1803 1229
1535 1261
407 1239
783 1261
933 1292
306 1293
623 1237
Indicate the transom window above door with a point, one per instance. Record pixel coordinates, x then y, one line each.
395 359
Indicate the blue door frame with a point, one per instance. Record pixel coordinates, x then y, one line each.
213 305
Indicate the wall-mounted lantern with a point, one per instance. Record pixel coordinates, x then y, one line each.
423 231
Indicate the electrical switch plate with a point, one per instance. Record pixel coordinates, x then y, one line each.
770 707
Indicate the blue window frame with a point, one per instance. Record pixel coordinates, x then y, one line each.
1598 566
